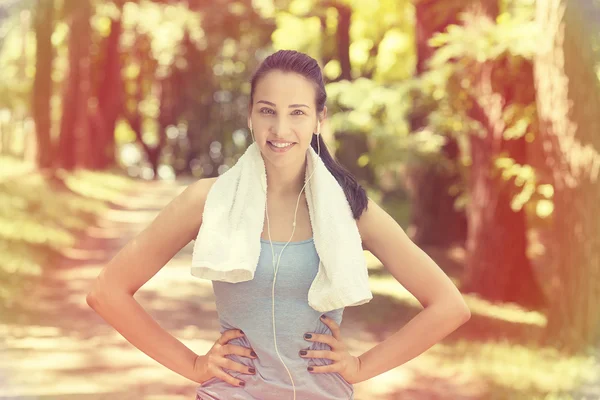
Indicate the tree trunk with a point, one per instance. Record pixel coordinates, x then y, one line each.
343 40
84 139
109 92
74 126
434 220
497 267
351 145
42 84
568 100
135 117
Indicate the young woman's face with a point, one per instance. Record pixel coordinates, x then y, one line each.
283 116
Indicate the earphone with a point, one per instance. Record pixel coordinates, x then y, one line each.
276 267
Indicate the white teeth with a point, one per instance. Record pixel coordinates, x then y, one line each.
281 145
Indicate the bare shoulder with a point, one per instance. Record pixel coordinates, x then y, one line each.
195 194
193 199
375 225
198 190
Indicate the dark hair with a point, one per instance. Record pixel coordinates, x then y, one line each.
303 64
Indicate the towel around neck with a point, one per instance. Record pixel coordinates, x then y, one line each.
227 247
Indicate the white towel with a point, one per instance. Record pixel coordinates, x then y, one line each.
228 244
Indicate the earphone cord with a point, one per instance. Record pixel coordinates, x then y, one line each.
279 258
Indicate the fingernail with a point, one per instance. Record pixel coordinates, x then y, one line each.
310 368
323 316
252 370
307 336
302 352
253 354
242 383
241 331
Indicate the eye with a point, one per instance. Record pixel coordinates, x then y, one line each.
300 111
265 110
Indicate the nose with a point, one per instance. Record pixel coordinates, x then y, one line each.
280 127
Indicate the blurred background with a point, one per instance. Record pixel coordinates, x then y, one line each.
475 124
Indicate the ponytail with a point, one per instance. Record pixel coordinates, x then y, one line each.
355 194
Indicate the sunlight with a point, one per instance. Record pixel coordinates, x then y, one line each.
510 365
469 123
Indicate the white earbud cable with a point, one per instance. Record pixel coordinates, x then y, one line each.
276 267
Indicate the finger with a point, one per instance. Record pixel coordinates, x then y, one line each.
313 369
320 354
317 337
228 335
236 366
219 373
332 325
238 350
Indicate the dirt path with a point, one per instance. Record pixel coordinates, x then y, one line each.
55 347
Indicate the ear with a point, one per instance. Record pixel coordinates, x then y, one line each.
323 115
249 119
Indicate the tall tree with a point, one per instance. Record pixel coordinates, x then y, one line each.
351 145
42 84
434 217
144 82
568 100
108 90
490 87
73 142
497 265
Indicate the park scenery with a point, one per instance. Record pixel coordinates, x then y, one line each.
474 123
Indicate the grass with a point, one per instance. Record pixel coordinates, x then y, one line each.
39 219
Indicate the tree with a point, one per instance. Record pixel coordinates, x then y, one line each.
73 144
490 96
109 95
568 100
42 85
434 218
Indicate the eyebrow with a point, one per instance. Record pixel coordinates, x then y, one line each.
290 106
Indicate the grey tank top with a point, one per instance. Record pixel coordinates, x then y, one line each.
248 306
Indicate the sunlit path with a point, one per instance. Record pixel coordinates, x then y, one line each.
53 346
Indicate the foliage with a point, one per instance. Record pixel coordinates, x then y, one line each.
480 40
17 53
384 50
500 51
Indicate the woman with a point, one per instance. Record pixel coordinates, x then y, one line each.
287 107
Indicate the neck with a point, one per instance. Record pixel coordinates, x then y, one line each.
285 181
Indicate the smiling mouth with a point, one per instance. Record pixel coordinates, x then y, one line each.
281 145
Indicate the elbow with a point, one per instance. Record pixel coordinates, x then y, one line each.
91 300
103 295
454 308
463 312
95 295
466 314
457 310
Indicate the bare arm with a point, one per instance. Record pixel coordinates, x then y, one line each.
444 308
112 293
